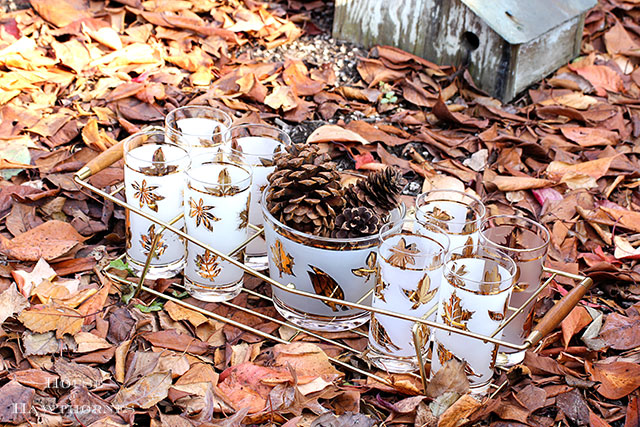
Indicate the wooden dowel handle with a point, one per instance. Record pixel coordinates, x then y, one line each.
559 311
101 161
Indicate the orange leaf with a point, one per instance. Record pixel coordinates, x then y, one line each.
282 97
45 318
335 133
593 168
577 319
515 183
602 78
589 137
625 218
63 12
295 74
616 379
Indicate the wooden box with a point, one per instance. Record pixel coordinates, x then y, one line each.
507 44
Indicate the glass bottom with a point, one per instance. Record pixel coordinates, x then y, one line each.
161 271
392 364
319 323
258 262
213 294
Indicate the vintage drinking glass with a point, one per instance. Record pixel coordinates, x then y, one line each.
474 294
216 209
197 127
457 213
526 242
332 267
154 174
256 144
409 275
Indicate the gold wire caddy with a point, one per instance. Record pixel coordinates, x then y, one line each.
547 324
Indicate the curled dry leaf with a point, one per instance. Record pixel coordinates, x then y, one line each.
616 379
335 133
45 318
49 241
145 393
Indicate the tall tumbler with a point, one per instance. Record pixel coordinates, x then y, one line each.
256 145
525 241
408 279
457 213
474 295
199 128
216 210
154 176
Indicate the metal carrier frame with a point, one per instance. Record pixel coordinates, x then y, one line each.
547 324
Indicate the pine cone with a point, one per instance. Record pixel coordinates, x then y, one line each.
380 191
305 191
356 222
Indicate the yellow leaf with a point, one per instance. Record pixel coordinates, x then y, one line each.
45 318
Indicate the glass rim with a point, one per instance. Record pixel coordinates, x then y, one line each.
239 183
228 137
537 225
263 199
388 230
482 211
169 120
454 255
155 130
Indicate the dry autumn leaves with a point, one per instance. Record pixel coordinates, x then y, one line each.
76 77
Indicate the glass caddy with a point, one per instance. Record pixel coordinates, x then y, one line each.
352 358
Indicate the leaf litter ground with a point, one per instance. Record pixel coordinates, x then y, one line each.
76 77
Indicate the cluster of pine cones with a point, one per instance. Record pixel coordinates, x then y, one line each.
305 193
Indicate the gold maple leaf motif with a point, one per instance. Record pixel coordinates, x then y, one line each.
146 240
200 212
225 189
325 285
158 166
467 252
370 269
515 240
454 314
244 216
380 287
423 294
496 316
144 194
423 333
492 279
403 254
381 336
208 265
440 214
282 260
456 273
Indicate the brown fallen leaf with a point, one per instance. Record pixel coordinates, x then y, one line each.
451 377
516 183
621 332
15 402
49 241
616 379
594 168
45 318
145 393
307 359
335 133
178 312
459 411
88 342
63 12
11 302
35 378
577 319
173 340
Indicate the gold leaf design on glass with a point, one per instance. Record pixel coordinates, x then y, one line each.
325 285
444 355
146 241
282 260
243 216
440 214
402 254
467 252
423 334
225 188
370 269
496 316
454 315
380 288
208 265
199 211
145 195
158 166
423 294
381 336
493 279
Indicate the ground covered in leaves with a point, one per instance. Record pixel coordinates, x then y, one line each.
76 77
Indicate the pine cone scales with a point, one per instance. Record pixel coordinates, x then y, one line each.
356 222
380 191
305 191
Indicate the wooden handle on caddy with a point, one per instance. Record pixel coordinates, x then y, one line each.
559 311
101 161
